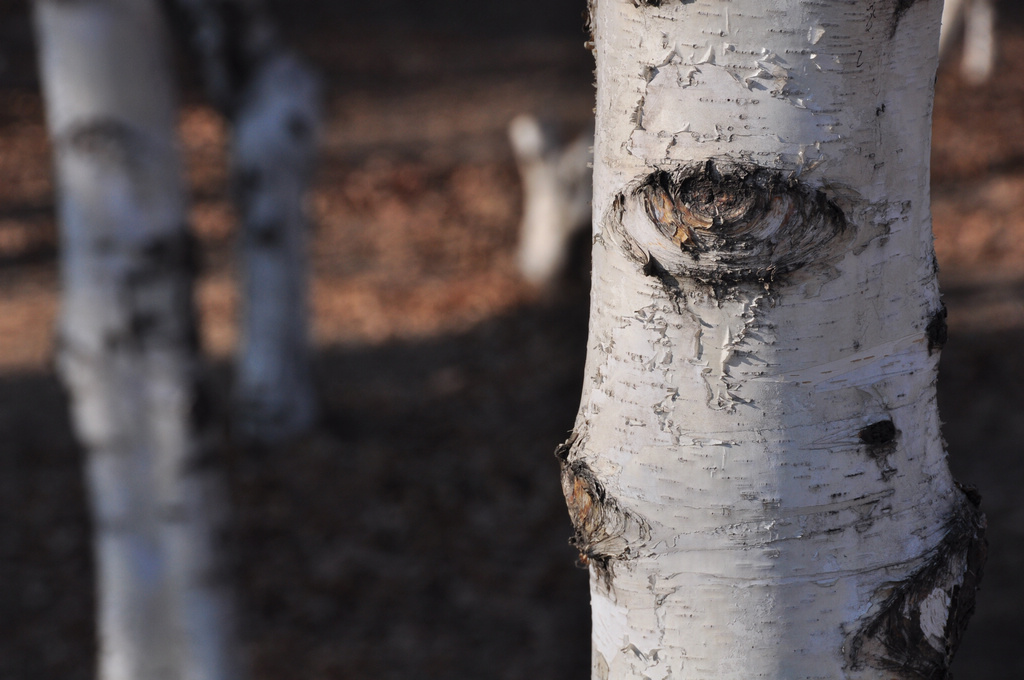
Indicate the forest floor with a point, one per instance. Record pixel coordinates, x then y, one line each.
421 531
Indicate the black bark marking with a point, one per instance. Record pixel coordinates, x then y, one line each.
562 450
897 14
246 181
229 39
880 438
299 127
604 531
143 325
107 140
205 459
893 639
937 330
740 223
878 434
268 235
175 252
164 263
654 269
203 412
240 61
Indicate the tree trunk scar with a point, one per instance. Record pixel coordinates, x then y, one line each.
107 140
917 628
724 225
604 531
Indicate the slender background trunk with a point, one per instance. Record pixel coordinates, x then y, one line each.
975 21
557 183
127 343
273 102
756 473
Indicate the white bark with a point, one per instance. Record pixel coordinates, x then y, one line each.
127 348
756 474
557 180
979 58
977 19
557 184
274 146
272 100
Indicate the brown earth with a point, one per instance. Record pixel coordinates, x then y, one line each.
420 532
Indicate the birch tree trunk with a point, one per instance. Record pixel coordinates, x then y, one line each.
756 474
127 343
977 18
272 101
556 196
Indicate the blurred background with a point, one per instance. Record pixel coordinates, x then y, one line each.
421 531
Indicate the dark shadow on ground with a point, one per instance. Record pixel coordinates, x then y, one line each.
422 532
981 391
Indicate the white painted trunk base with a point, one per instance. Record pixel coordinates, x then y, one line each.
756 473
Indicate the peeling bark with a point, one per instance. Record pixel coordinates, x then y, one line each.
921 620
729 224
759 466
604 531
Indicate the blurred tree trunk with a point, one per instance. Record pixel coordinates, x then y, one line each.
977 18
756 474
272 101
556 196
127 343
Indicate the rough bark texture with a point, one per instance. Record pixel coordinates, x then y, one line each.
272 101
128 349
756 473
